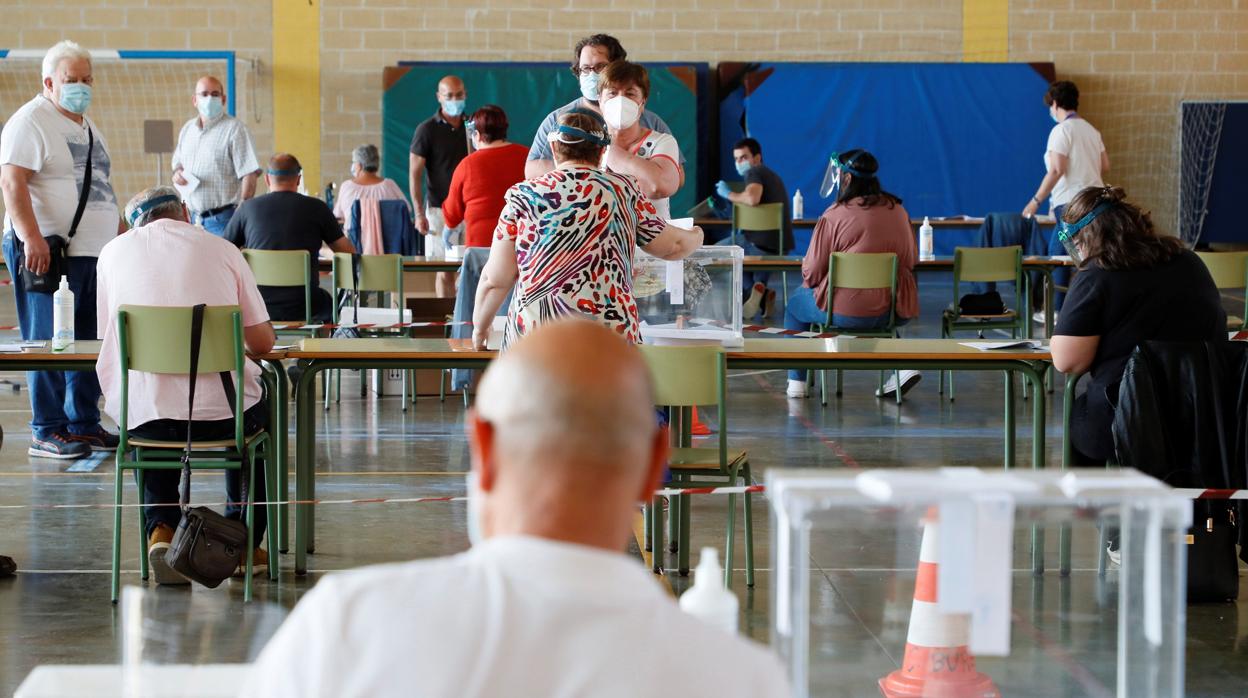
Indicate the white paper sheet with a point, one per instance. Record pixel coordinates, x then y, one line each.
676 282
192 182
1011 344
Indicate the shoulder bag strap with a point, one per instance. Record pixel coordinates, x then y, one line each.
355 287
86 182
197 331
244 472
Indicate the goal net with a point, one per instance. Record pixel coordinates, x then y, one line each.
128 91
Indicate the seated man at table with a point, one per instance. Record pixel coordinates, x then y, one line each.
284 219
762 186
546 603
164 260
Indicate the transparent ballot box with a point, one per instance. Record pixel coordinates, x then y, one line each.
696 298
950 583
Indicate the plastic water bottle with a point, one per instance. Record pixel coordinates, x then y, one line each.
708 600
797 204
925 240
62 317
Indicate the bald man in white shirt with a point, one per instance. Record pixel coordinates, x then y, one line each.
564 446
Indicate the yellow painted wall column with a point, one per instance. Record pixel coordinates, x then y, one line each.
297 85
985 31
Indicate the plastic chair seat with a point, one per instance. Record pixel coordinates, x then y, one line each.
953 315
703 459
179 445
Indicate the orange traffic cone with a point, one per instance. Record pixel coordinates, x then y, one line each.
698 428
937 663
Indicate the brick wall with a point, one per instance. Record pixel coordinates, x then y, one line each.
239 25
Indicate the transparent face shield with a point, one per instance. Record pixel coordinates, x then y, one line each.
832 176
1067 233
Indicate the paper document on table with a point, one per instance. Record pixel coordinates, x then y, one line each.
283 347
1011 344
10 348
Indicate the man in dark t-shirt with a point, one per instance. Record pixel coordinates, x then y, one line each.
762 186
284 219
438 145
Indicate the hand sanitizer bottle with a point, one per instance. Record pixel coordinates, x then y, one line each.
925 240
797 205
62 317
708 600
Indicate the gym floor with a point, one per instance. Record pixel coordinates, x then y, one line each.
57 609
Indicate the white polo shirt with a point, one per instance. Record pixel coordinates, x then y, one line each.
513 616
1081 143
44 140
171 263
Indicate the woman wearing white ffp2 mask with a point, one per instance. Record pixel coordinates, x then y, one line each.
652 157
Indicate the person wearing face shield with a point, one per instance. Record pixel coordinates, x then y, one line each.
652 157
1135 283
55 174
214 163
590 58
863 218
438 145
365 184
1075 158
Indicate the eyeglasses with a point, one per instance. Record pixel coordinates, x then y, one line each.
587 69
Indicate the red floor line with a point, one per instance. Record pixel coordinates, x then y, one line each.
836 448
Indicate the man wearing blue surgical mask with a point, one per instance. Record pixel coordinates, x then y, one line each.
214 164
589 58
438 145
55 174
762 186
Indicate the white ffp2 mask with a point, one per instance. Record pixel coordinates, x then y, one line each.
620 112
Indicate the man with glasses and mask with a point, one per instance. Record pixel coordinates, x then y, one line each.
589 58
438 145
54 171
214 163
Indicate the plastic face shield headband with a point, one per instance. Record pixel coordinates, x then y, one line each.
142 209
284 173
571 134
1066 232
832 176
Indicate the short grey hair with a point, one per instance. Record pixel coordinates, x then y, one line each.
62 51
366 156
170 208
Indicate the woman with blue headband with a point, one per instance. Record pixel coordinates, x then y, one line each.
565 240
1135 283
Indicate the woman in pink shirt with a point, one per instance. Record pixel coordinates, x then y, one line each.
365 184
863 218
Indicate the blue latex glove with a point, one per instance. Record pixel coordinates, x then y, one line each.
446 237
721 188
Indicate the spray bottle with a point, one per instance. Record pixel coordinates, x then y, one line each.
708 600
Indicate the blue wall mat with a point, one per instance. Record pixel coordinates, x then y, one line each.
1224 220
951 138
527 92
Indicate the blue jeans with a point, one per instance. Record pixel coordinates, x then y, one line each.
1061 275
59 400
215 224
801 311
749 278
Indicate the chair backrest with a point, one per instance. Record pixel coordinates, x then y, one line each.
279 267
763 217
685 376
988 263
378 272
1228 269
863 270
157 339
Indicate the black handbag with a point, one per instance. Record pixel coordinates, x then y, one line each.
1212 567
351 332
989 303
207 547
58 247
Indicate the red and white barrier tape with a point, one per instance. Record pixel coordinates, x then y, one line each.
361 326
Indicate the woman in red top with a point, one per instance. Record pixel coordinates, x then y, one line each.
481 179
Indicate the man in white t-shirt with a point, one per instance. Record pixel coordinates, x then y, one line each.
546 604
1074 159
194 267
43 157
649 155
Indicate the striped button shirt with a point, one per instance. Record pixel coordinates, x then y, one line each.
219 155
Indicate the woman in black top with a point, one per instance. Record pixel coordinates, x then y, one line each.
1134 284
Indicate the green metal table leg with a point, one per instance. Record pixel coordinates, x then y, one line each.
305 467
1009 420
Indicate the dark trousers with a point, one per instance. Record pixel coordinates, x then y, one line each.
161 486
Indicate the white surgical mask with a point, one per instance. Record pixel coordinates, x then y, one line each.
75 97
589 85
453 107
620 112
209 107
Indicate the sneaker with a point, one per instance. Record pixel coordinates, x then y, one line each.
909 379
1114 554
7 567
157 545
99 439
259 562
749 309
796 389
769 303
59 445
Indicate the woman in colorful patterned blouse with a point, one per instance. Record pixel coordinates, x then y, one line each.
565 240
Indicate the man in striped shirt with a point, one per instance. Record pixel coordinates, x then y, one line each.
214 164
